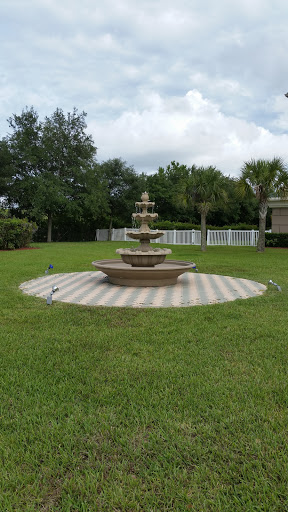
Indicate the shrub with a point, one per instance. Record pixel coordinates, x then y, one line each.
276 239
4 213
241 227
167 224
16 233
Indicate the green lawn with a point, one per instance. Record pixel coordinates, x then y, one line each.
154 410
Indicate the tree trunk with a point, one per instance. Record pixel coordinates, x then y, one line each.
203 231
49 231
110 230
263 207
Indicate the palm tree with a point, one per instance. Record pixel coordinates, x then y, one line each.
204 188
264 178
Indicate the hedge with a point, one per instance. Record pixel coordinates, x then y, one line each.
167 224
276 239
16 233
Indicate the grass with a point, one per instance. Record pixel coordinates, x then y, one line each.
106 409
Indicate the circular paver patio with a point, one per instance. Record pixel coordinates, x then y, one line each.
94 289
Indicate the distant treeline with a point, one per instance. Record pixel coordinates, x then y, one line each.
49 174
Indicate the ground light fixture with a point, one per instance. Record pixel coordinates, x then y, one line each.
49 298
274 284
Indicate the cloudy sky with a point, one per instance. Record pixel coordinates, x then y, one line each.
199 82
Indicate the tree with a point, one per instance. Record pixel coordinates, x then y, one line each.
50 160
162 187
205 187
124 187
22 146
6 171
263 178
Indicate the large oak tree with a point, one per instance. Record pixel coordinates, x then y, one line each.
49 162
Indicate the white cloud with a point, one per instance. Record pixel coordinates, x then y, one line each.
190 129
130 64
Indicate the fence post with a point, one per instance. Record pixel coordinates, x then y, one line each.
193 237
229 237
252 239
208 236
112 235
174 237
125 237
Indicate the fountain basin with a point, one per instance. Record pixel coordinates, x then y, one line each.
164 274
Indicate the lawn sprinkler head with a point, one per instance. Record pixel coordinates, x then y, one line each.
47 269
275 284
49 298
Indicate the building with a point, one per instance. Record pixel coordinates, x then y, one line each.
279 214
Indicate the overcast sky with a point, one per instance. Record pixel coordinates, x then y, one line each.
199 82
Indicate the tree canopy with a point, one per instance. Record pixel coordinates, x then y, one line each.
203 187
48 163
49 173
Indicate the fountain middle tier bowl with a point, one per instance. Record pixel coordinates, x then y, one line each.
164 274
146 217
144 235
138 258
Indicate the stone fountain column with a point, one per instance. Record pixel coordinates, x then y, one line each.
144 255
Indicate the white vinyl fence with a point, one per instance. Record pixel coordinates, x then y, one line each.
188 237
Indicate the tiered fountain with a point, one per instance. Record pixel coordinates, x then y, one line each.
143 265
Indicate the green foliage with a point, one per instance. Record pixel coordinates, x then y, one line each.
167 224
240 227
123 188
264 178
175 198
52 162
6 169
4 213
15 233
205 187
163 190
276 239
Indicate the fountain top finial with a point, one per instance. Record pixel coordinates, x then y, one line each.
145 197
